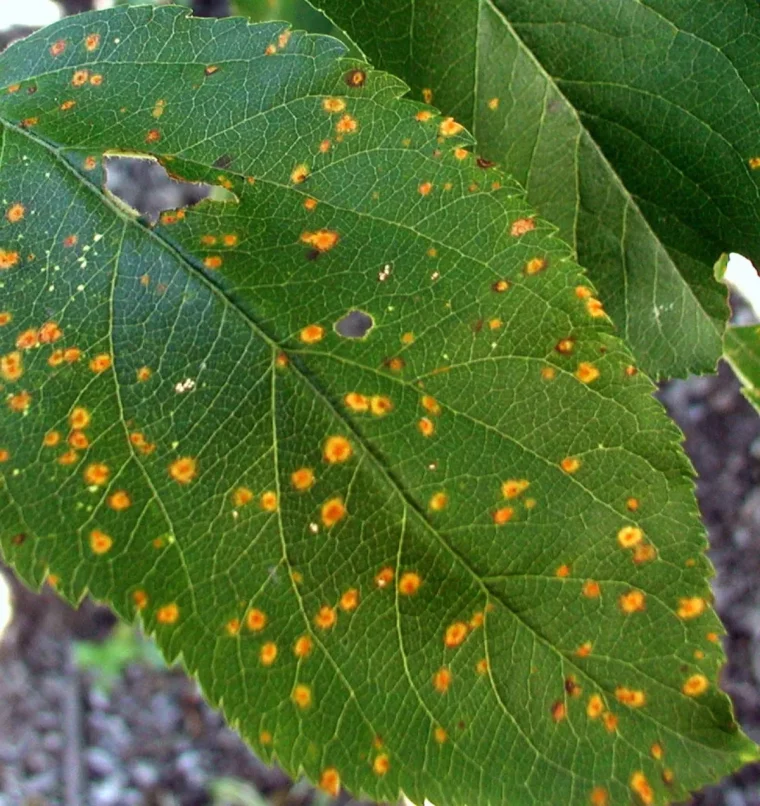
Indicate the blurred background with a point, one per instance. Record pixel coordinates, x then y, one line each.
91 716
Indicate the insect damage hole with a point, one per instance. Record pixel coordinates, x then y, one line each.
143 185
354 325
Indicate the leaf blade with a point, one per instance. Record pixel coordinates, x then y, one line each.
205 444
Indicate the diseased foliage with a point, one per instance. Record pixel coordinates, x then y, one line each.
632 125
458 556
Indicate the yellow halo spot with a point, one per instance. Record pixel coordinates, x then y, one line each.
256 620
599 797
100 542
301 695
503 515
641 787
299 174
302 479
349 600
97 474
438 502
384 577
326 617
184 469
633 698
337 449
356 402
442 680
242 496
168 614
632 602
455 634
333 105
449 128
630 536
381 764
380 405
268 653
409 583
586 372
269 501
312 334
691 607
329 781
514 487
303 646
333 511
100 363
119 500
695 685
570 464
79 418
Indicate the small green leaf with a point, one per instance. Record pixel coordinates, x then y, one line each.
632 125
452 550
742 351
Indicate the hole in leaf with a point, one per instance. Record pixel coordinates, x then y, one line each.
143 185
354 325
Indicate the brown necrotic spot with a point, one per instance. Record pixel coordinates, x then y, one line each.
355 78
355 324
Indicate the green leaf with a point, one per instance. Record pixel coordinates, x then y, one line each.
631 125
432 517
742 351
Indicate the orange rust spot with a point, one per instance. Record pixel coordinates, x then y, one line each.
632 602
644 553
91 42
58 47
66 105
559 711
302 479
302 647
656 751
591 589
548 373
140 599
565 346
27 339
322 240
6 317
595 308
15 212
409 583
100 363
268 653
381 764
80 78
356 402
500 286
610 721
349 600
184 469
8 258
265 737
431 405
70 240
329 781
68 458
503 515
442 680
96 79
337 449
514 487
168 614
78 440
153 136
426 426
449 128
563 571
301 695
11 366
159 108
632 504
438 502
481 667
455 634
642 788
97 474
49 333
586 372
310 204
119 500
423 115
213 262
440 735
630 536
425 188
208 240
477 620
384 577
522 226
232 627
754 163
242 496
80 418
27 123
713 637
695 685
326 617
395 364
668 776
100 542
256 620
324 146
534 266
333 105
332 511
20 402
281 361
633 698
268 501
380 405
599 796
584 650
691 607
13 88
5 455
570 464
346 125
355 78
299 174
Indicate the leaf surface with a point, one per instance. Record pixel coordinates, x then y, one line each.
458 557
742 350
632 125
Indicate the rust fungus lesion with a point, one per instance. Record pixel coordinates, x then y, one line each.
642 788
92 42
409 583
184 470
442 680
322 240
